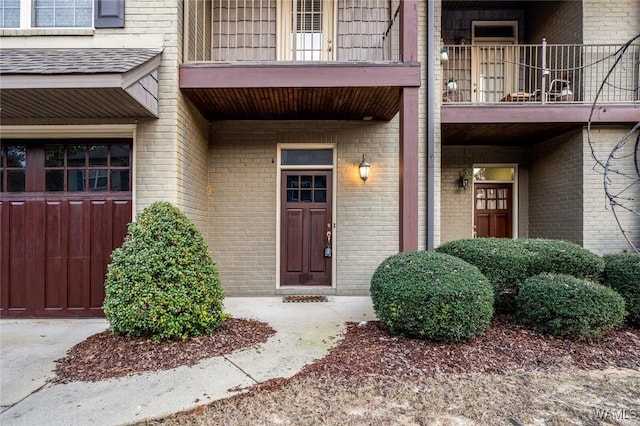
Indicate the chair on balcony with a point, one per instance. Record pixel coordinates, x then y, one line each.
559 91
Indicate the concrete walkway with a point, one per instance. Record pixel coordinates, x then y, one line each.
304 332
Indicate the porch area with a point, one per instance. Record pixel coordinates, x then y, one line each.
299 59
540 73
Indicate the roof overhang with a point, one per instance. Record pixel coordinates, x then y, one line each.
43 87
317 91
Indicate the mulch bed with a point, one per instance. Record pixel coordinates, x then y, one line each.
369 350
107 355
366 350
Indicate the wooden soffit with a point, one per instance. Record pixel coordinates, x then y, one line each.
326 91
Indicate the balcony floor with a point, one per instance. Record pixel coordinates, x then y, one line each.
301 91
524 123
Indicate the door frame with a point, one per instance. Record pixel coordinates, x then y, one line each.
515 197
334 181
284 24
510 77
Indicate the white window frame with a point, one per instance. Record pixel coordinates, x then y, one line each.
27 12
329 28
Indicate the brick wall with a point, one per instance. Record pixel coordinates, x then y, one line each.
601 231
610 21
555 189
242 206
435 120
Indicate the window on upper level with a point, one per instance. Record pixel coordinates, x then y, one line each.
25 14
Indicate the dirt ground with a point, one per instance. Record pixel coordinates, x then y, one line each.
507 376
566 397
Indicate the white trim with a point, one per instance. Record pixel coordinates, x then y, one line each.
515 196
334 198
53 131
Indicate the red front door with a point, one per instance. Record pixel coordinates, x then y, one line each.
305 257
493 210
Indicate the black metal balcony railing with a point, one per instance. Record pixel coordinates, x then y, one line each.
540 73
270 30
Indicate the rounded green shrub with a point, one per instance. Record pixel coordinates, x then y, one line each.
508 263
431 295
566 306
561 257
162 282
497 258
622 273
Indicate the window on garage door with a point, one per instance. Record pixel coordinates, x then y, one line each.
64 206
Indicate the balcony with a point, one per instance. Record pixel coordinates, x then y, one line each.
541 73
298 59
521 91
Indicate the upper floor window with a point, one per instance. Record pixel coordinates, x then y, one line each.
25 14
46 13
10 13
62 13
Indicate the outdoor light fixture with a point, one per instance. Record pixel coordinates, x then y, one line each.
364 168
444 54
463 181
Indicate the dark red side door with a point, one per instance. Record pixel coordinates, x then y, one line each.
306 228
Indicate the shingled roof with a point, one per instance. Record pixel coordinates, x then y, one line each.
73 61
79 83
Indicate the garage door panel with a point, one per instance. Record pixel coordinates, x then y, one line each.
17 252
78 225
121 218
100 249
55 255
78 282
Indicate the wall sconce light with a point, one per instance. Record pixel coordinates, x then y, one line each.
463 181
364 169
444 54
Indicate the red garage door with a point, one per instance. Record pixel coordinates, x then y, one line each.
64 206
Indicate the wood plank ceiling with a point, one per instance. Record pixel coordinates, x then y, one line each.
296 103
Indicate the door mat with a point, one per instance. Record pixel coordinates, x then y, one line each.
304 299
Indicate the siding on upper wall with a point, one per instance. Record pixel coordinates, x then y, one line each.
555 189
560 22
242 206
456 24
602 234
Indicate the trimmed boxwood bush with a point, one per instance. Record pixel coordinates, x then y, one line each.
566 306
622 273
162 282
508 263
431 295
561 257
